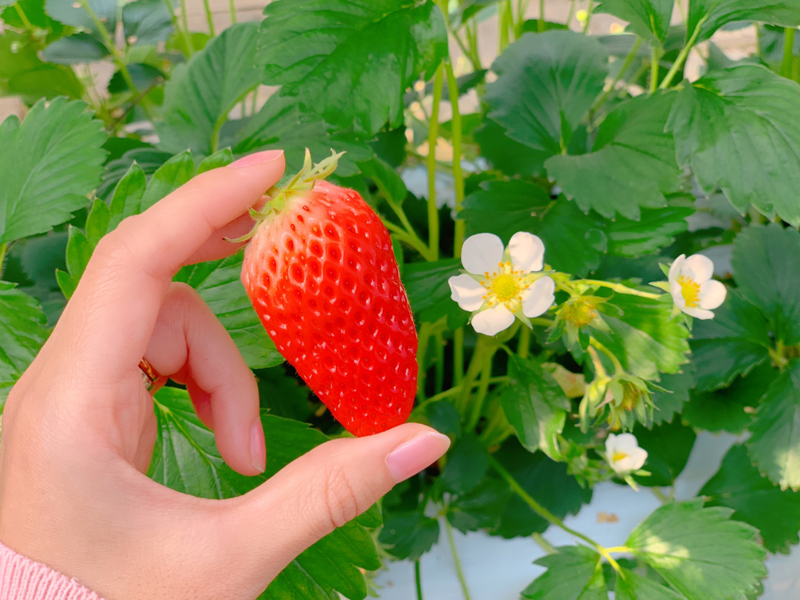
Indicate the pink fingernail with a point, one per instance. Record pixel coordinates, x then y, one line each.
258 448
417 453
257 158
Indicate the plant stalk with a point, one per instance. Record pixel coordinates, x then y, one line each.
187 42
524 342
624 69
684 53
589 13
459 571
542 24
418 579
622 289
232 5
655 57
788 52
433 138
23 17
3 248
209 17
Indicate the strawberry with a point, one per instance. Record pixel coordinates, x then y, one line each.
322 276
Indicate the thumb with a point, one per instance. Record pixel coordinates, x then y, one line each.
326 488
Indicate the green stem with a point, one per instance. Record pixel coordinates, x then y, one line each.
412 240
117 57
422 350
458 356
185 19
433 137
472 38
232 5
788 52
209 17
502 24
187 41
614 360
544 544
618 287
3 248
524 342
624 69
589 13
546 514
418 579
483 389
655 57
439 362
457 390
542 24
23 17
665 83
682 10
571 13
459 571
474 369
458 174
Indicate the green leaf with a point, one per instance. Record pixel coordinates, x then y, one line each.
632 586
574 242
480 508
199 96
144 78
219 285
217 160
185 459
75 49
655 229
409 535
283 124
699 551
631 165
127 198
670 401
731 408
508 156
534 405
169 177
739 130
22 72
648 19
717 13
643 336
351 61
429 292
386 178
546 481
668 447
282 395
467 463
733 343
775 443
756 500
48 165
573 573
70 12
146 21
763 262
23 330
546 84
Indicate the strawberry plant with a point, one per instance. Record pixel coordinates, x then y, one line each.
570 252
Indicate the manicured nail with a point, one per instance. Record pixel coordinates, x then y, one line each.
417 453
258 448
257 158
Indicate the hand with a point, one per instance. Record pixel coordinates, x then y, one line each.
79 427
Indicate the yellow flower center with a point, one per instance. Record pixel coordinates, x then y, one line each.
579 313
690 290
506 287
618 456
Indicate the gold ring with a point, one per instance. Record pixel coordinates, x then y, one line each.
149 375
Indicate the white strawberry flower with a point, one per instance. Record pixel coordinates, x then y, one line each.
624 454
500 283
692 288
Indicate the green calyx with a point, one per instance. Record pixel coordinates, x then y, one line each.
304 181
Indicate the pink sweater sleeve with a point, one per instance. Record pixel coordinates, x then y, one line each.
24 579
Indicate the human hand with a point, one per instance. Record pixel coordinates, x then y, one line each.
79 426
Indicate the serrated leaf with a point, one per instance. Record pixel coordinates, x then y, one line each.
217 160
735 341
75 49
720 12
546 84
219 285
574 242
70 12
146 21
643 336
127 198
655 229
283 124
668 447
763 263
573 573
670 401
480 508
185 458
699 551
756 500
739 130
351 61
632 586
535 406
199 96
648 19
731 408
169 177
631 165
775 441
23 330
48 164
409 535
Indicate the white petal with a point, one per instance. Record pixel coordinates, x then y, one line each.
611 444
699 313
493 320
538 298
677 294
676 268
712 294
467 292
527 252
637 459
627 443
481 253
699 268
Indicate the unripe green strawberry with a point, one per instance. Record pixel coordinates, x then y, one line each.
322 276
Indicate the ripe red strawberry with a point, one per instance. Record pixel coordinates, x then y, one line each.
322 276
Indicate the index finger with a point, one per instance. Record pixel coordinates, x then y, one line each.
111 316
